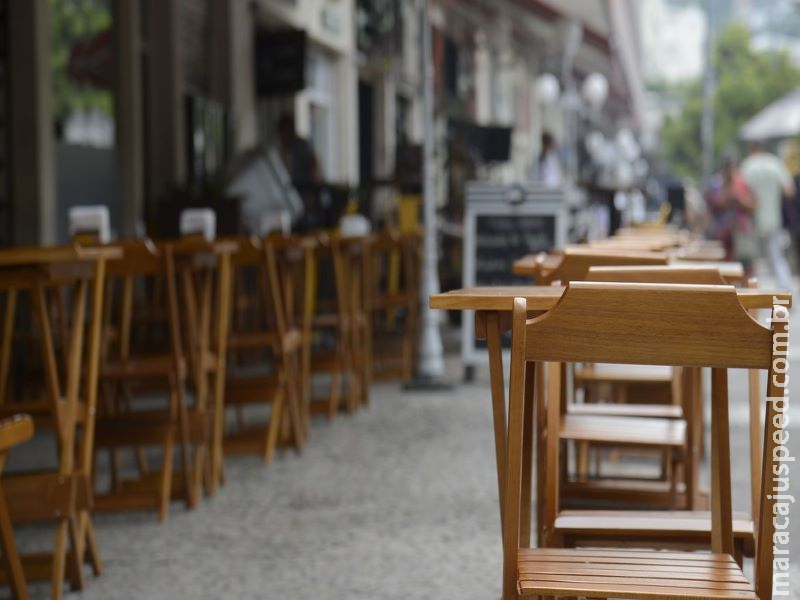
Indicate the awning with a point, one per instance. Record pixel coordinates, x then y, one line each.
781 119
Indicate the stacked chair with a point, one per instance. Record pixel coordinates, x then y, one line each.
685 326
144 356
630 337
393 303
265 362
339 327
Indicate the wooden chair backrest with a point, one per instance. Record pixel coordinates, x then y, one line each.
575 262
393 263
657 274
655 324
643 244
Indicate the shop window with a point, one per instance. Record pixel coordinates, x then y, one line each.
82 61
83 67
322 109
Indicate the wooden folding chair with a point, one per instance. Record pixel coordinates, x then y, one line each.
72 280
264 353
393 287
290 260
676 325
13 431
339 341
144 358
575 262
203 272
665 528
599 425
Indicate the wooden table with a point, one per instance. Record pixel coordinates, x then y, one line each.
493 306
536 265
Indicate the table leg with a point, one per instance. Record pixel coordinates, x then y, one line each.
495 348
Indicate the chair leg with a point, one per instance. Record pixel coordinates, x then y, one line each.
75 555
335 395
184 436
274 427
10 558
59 560
166 476
198 468
91 545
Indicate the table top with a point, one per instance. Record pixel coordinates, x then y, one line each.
544 297
534 264
41 255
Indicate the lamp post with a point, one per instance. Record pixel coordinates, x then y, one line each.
430 359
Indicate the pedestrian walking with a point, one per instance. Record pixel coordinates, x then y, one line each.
770 183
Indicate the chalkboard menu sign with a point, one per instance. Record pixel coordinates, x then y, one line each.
501 224
501 239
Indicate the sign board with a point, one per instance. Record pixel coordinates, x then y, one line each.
501 224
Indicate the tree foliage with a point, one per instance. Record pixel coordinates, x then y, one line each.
747 80
71 21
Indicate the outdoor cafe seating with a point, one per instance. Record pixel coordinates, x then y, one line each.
155 363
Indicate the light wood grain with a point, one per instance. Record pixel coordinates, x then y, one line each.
544 297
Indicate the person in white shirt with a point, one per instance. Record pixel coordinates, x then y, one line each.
549 163
770 182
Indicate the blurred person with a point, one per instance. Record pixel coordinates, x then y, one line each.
770 183
549 163
297 153
791 209
731 205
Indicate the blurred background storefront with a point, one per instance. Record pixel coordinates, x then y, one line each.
147 105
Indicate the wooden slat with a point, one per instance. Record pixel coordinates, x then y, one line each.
638 431
663 411
627 573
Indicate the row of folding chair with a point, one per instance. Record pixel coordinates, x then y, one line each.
151 360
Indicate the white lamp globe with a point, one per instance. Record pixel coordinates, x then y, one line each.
595 144
547 88
595 90
628 145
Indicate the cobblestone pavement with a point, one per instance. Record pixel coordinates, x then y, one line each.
396 502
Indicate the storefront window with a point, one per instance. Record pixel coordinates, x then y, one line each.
83 71
322 112
83 78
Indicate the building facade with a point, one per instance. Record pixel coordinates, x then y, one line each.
128 102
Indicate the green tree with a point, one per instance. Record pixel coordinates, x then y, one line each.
747 81
71 21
